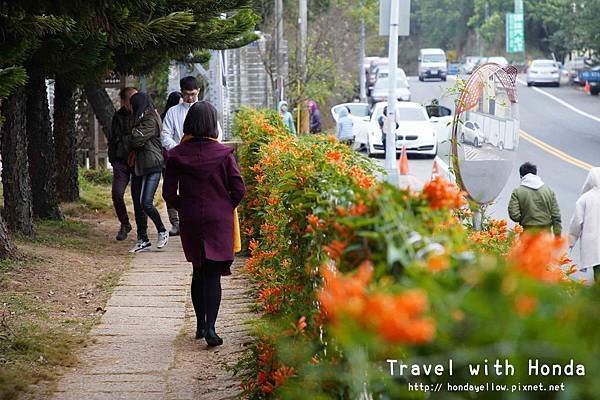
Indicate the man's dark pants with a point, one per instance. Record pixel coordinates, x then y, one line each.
121 177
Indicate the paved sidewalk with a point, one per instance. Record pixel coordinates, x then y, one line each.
143 348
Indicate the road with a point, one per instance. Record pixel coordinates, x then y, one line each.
561 135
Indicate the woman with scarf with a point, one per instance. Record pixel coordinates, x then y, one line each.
147 161
203 183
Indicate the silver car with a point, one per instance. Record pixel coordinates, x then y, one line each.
543 71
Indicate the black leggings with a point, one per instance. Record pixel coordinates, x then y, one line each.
206 291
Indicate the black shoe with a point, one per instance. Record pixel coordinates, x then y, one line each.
174 230
123 231
200 333
212 339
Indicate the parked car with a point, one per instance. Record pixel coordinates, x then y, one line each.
381 90
543 71
360 115
501 61
471 133
384 71
432 64
592 77
415 130
372 73
469 65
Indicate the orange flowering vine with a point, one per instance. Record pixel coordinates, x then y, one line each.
538 255
442 194
395 317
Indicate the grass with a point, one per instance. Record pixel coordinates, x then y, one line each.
64 234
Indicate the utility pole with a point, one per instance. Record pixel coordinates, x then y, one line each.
301 58
391 167
279 48
361 58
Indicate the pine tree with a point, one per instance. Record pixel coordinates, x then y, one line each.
154 32
20 33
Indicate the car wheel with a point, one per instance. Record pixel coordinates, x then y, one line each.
421 78
444 79
529 84
595 91
557 84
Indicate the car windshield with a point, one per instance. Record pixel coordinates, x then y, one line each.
411 114
356 110
384 83
434 58
544 64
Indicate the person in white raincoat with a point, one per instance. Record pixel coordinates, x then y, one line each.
585 224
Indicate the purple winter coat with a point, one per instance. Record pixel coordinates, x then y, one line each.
210 187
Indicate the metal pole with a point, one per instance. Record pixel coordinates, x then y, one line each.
302 55
391 167
278 47
361 70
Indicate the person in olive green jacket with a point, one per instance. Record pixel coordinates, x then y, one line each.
533 204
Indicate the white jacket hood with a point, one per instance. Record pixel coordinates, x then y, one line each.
592 181
532 181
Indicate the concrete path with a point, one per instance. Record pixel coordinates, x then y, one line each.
144 349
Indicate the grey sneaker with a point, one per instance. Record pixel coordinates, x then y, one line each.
141 245
163 239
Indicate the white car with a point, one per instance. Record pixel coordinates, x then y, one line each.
384 72
382 87
543 71
415 130
471 133
360 115
501 61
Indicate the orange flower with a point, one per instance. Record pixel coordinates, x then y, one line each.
518 229
442 194
397 318
335 249
538 255
333 156
299 327
525 305
361 178
437 262
341 211
313 220
282 374
358 209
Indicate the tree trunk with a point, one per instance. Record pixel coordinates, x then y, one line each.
65 136
42 161
15 171
7 249
101 104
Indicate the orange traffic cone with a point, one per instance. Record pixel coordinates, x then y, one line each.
403 162
587 87
435 172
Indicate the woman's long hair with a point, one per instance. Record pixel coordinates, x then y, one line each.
173 99
140 102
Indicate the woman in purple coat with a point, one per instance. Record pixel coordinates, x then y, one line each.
210 187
